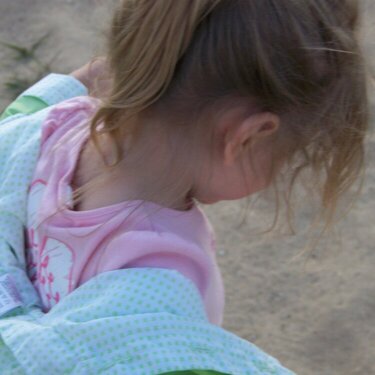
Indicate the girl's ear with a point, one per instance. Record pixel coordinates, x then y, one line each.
252 128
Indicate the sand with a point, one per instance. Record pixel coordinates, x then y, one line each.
316 314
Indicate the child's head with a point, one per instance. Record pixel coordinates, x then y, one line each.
243 88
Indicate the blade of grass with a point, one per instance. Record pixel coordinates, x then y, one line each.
26 53
22 52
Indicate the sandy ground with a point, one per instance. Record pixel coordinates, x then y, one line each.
317 318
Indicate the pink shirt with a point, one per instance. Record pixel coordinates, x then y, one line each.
65 248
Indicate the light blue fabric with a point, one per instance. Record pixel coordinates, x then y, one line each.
56 88
131 321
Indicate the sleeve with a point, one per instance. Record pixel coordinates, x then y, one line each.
51 90
149 249
161 250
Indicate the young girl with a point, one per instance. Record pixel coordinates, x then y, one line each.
206 100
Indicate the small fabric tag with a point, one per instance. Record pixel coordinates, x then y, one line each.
9 296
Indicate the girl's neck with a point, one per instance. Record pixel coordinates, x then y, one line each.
147 172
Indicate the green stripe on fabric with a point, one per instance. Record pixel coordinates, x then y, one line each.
25 105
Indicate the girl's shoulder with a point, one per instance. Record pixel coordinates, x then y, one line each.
71 113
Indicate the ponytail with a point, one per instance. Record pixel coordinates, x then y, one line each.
146 41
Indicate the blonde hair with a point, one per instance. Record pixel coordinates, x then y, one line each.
298 59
